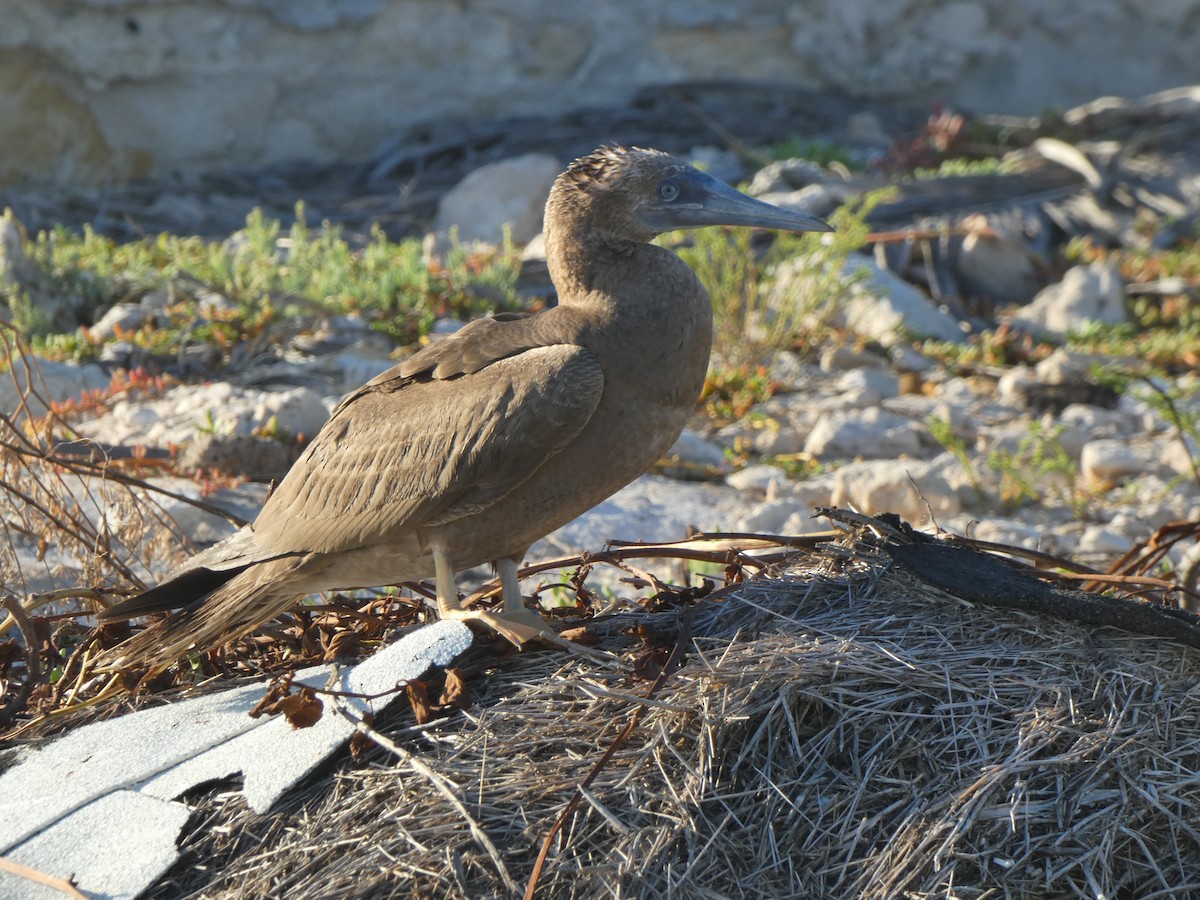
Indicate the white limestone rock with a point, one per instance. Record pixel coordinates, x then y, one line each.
884 307
187 410
1012 384
55 382
871 433
692 454
511 192
759 479
786 504
909 488
867 386
1103 540
839 359
122 317
1092 293
1107 461
881 305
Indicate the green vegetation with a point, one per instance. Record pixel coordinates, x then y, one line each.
782 300
267 274
1166 327
958 167
1039 471
823 153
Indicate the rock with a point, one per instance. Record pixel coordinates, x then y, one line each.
996 268
784 175
123 317
186 411
17 270
906 358
446 325
1096 421
769 517
1006 531
652 508
353 368
871 433
958 391
256 458
212 305
53 382
837 359
19 273
1012 385
756 479
511 192
867 387
1145 417
884 307
1067 365
1105 462
693 456
804 522
866 128
776 437
201 526
1103 540
819 200
790 372
909 488
119 354
785 505
1092 293
717 162
297 411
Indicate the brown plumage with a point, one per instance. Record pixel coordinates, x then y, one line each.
483 442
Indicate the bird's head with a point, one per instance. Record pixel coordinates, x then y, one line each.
634 194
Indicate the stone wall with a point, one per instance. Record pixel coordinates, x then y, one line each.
93 91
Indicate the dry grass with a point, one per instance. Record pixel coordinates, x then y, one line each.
849 735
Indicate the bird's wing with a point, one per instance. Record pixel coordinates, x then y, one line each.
443 435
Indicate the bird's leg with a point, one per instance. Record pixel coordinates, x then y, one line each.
514 610
514 622
447 587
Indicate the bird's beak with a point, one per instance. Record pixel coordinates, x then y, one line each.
703 201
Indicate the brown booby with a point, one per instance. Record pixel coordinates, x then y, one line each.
483 442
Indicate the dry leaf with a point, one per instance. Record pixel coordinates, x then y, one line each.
418 698
302 709
343 644
456 692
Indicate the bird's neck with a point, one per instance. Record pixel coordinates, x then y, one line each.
639 303
580 260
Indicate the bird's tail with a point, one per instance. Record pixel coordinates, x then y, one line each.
216 607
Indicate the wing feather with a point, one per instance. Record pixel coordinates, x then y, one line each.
405 452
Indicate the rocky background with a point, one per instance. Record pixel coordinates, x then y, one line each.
96 92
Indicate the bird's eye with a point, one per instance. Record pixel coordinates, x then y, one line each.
668 190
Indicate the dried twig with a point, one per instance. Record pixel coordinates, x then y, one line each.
53 882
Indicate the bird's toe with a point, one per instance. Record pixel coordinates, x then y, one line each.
518 627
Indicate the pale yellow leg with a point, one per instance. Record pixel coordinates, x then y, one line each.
514 623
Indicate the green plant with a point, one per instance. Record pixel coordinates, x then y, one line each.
782 298
823 153
1038 463
731 393
958 167
943 432
267 274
